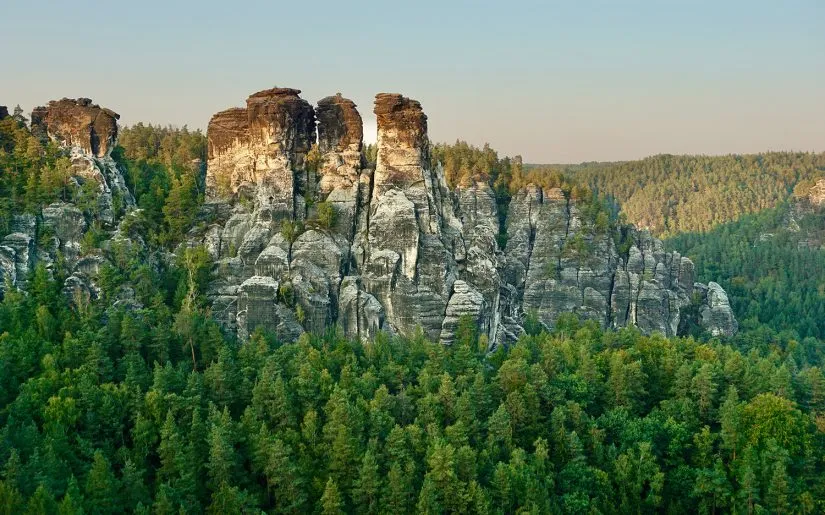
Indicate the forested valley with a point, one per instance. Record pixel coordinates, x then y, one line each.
108 408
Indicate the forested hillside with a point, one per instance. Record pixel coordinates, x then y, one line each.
674 194
138 402
772 264
152 410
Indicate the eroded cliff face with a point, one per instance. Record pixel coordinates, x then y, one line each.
404 251
88 133
259 152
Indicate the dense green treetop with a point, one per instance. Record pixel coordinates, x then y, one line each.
771 264
673 194
153 410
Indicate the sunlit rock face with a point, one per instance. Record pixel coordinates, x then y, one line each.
86 133
404 252
262 149
78 123
816 195
340 142
89 133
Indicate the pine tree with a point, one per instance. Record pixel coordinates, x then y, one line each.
101 486
10 499
397 495
730 421
221 464
367 488
72 502
132 487
778 494
41 503
331 502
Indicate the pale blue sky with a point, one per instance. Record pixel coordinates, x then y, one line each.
552 81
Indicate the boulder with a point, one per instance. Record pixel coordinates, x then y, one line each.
716 314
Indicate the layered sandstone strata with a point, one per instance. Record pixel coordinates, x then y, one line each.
262 149
78 123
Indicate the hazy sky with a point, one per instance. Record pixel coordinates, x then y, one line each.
553 81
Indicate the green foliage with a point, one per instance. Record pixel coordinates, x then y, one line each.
559 422
111 408
291 230
465 165
165 169
325 215
774 277
175 148
371 155
675 194
32 172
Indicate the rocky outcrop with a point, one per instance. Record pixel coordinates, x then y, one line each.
53 237
306 237
716 314
816 195
78 123
259 152
340 136
403 252
89 132
18 252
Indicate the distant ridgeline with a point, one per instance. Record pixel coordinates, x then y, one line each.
670 194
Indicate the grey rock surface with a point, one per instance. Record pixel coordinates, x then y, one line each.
405 252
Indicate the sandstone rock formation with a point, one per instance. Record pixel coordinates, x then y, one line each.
90 133
716 314
78 123
260 151
406 253
816 195
340 134
402 253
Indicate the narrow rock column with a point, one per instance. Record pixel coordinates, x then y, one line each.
340 141
407 264
260 152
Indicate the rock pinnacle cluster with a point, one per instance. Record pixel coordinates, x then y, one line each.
404 252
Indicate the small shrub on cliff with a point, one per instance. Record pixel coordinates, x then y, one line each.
286 294
313 159
291 230
326 215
